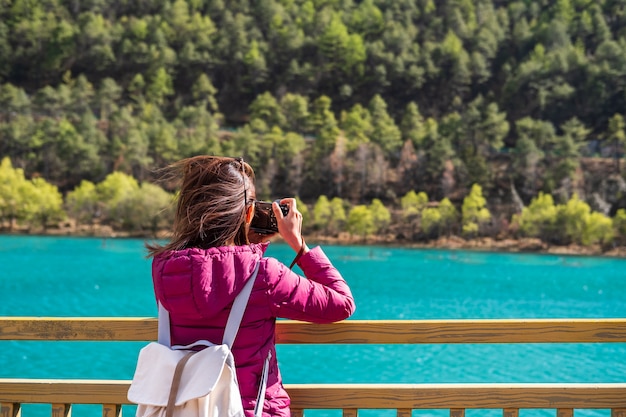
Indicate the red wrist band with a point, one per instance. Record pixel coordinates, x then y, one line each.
300 252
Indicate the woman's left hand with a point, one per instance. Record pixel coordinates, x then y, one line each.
290 226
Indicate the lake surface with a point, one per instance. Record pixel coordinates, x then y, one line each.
50 276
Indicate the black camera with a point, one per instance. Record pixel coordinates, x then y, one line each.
264 221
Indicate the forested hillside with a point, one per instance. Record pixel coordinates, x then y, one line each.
358 100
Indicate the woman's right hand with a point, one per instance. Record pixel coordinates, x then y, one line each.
290 226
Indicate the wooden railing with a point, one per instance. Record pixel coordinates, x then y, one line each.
457 398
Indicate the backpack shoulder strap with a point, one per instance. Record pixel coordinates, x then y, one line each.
236 312
164 327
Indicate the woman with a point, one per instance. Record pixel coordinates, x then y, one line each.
210 257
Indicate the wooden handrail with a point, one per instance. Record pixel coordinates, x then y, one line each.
346 332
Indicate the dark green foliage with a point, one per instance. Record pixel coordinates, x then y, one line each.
353 99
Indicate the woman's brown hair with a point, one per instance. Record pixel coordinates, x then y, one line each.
212 202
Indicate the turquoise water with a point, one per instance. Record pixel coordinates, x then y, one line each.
47 276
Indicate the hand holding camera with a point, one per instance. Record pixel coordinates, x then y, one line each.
264 220
280 216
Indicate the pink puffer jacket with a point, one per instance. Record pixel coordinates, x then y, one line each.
198 286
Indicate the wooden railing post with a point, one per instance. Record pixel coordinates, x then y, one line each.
111 410
404 412
565 412
457 412
10 410
618 412
61 410
510 412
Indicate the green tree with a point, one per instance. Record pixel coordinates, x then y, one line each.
107 98
322 213
357 126
343 52
361 221
204 93
82 203
67 154
337 215
43 36
485 128
325 128
81 92
539 218
454 68
304 210
13 100
5 50
578 224
45 203
197 132
412 204
49 102
137 88
568 148
474 211
367 19
13 193
440 219
248 143
535 140
129 144
438 151
95 41
267 108
285 153
146 208
295 109
162 140
619 225
160 87
112 192
385 132
324 125
380 215
617 136
449 215
412 125
256 64
599 229
431 220
286 147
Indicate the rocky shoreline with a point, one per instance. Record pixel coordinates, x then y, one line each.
521 245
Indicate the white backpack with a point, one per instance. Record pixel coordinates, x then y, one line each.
179 382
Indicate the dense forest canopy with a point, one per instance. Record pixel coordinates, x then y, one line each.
359 100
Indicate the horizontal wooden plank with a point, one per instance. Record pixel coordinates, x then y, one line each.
346 332
67 391
456 331
352 396
78 328
469 396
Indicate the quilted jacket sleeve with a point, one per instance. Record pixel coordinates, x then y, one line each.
322 297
